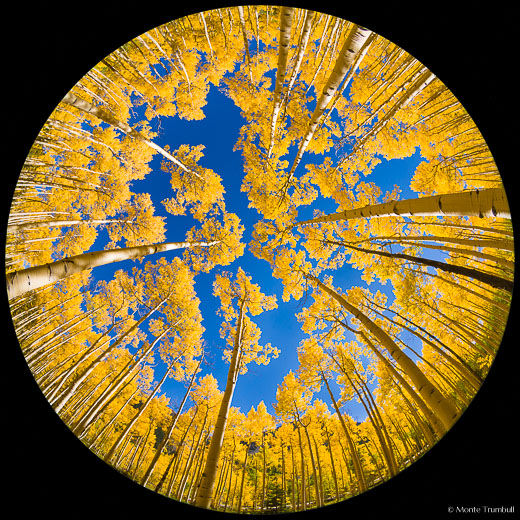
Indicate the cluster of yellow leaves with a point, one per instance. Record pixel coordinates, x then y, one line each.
200 189
241 297
227 235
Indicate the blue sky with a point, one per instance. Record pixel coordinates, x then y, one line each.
218 132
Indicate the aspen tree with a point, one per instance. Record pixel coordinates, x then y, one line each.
286 18
244 339
30 278
351 46
491 202
426 390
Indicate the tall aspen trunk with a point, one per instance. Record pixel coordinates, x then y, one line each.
110 393
56 333
432 397
242 481
286 18
360 476
176 457
284 479
387 453
419 84
112 420
491 202
264 473
455 359
387 446
352 45
205 491
419 421
52 395
294 480
313 465
138 415
107 117
27 226
189 462
304 40
88 370
320 472
432 418
333 465
230 480
19 282
246 43
168 434
303 494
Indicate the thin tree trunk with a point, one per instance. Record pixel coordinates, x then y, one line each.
105 116
361 483
433 398
353 43
205 491
110 393
313 464
303 495
175 457
28 226
241 492
137 416
333 466
482 276
432 418
167 436
88 370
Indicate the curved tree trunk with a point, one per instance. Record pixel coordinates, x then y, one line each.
487 278
19 282
352 45
88 370
109 394
358 469
429 393
205 490
107 117
491 202
167 436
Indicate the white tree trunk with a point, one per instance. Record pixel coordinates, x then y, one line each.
108 118
429 393
286 18
491 202
347 56
205 490
60 403
136 417
19 282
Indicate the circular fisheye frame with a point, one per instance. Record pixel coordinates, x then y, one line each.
259 259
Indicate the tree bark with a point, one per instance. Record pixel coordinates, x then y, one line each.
105 116
19 282
487 278
433 398
286 18
167 436
353 43
491 202
205 491
87 371
361 483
